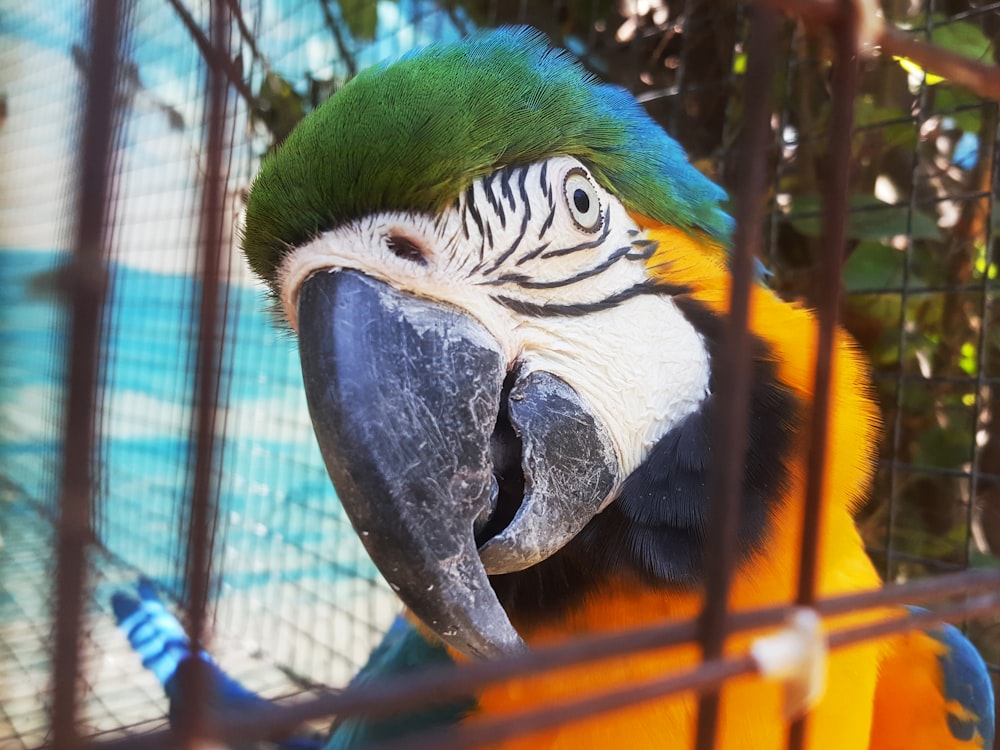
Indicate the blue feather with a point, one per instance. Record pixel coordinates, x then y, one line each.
967 682
165 650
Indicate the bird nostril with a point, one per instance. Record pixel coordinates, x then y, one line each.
508 454
405 248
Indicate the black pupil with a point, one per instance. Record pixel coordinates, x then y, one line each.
581 200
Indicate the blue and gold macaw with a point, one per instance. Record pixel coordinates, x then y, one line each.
509 288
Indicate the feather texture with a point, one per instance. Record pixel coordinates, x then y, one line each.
413 135
934 693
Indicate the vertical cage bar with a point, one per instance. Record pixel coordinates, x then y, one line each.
202 518
86 279
834 218
733 399
988 316
986 172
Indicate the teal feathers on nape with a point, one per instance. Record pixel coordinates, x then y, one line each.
413 134
402 651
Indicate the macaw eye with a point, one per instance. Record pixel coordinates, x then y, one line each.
582 200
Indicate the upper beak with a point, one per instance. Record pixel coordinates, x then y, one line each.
409 404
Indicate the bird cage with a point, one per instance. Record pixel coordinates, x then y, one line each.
153 416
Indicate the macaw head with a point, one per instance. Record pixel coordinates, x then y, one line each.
508 377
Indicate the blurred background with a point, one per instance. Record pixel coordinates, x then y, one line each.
295 603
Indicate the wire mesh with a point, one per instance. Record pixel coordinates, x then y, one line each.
294 601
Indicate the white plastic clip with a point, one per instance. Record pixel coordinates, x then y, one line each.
796 655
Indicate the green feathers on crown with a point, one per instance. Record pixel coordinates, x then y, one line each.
412 135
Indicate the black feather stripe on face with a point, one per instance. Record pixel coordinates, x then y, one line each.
655 530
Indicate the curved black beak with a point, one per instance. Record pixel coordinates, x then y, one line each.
404 395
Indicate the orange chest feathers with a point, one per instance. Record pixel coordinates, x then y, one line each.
751 708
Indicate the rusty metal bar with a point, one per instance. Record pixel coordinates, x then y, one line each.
834 220
905 294
840 129
704 677
202 519
984 604
982 80
810 12
986 173
246 35
86 279
437 685
221 63
444 684
475 733
731 408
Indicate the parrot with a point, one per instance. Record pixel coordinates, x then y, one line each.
509 288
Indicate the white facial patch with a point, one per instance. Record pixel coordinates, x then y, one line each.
554 267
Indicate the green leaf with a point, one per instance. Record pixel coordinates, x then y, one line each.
947 447
279 106
963 38
868 218
882 312
868 113
969 359
361 17
947 99
872 266
979 559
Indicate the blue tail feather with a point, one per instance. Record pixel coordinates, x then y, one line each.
152 631
966 684
164 647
